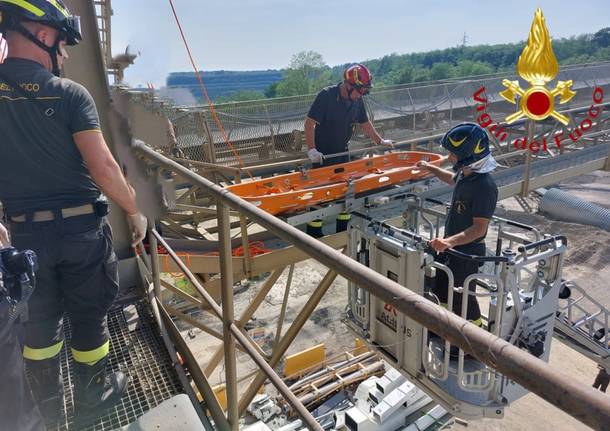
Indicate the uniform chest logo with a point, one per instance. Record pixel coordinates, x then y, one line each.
460 207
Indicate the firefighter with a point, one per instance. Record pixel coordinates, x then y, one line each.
333 115
54 167
472 205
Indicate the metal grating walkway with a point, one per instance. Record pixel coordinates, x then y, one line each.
142 355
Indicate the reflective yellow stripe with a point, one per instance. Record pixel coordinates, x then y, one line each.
42 354
344 216
90 357
477 322
315 223
27 6
60 8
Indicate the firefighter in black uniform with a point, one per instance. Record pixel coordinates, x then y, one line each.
54 164
472 206
333 115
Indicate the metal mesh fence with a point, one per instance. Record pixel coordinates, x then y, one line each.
272 130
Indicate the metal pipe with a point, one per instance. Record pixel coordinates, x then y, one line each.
280 321
565 206
235 330
246 315
326 390
154 259
201 381
582 402
286 341
243 224
525 187
226 281
194 322
156 305
206 165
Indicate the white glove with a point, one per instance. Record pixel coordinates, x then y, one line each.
137 224
4 239
387 143
315 156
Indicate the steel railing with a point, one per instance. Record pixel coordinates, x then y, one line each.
580 401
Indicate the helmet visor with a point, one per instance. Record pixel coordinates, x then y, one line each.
72 28
362 89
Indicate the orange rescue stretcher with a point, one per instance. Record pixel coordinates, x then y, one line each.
296 191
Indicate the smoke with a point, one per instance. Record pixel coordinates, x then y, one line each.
180 96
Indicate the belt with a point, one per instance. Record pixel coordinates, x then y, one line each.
39 216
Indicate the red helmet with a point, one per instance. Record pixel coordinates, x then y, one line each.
358 76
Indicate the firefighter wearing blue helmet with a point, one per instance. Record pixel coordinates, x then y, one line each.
52 13
472 206
55 172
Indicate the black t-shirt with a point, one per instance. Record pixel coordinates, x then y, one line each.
40 165
335 118
474 196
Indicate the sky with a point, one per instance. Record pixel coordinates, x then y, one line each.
264 34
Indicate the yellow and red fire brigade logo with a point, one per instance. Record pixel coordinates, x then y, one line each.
537 65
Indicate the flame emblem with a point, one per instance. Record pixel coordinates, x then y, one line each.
537 65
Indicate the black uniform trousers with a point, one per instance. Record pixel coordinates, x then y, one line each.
78 276
461 269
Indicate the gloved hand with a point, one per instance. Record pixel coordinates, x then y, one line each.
4 239
387 143
315 156
137 224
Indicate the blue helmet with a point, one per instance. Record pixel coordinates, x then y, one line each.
468 141
52 13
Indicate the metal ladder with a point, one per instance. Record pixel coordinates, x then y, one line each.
582 322
103 10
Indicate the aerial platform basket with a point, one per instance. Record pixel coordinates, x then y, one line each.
299 190
519 286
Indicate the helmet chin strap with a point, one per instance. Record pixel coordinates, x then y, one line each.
350 90
53 51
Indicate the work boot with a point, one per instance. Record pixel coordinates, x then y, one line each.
47 387
95 391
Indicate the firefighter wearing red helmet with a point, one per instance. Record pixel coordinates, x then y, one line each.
333 115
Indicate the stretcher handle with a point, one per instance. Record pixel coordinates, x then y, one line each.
553 239
426 243
474 257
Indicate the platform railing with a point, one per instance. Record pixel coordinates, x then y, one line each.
580 401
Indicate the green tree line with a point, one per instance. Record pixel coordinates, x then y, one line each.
308 73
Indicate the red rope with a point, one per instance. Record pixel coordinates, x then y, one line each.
256 248
205 91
